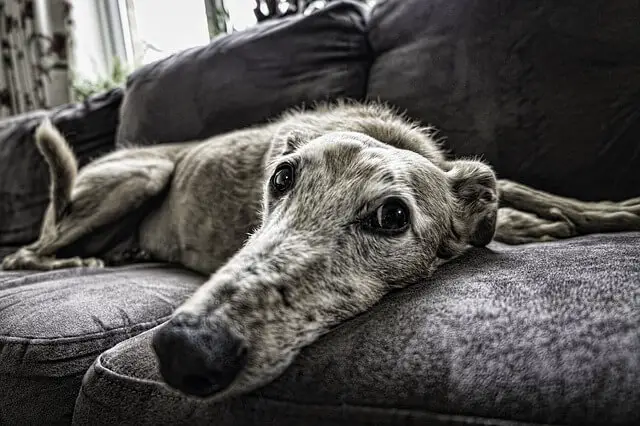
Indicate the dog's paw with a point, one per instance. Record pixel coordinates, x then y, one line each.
92 262
18 260
9 263
604 216
25 259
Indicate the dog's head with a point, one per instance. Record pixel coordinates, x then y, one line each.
345 219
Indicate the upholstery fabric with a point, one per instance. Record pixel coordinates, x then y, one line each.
54 324
24 177
542 333
248 77
546 91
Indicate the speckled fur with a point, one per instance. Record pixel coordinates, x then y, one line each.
284 269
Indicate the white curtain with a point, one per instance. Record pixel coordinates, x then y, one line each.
35 52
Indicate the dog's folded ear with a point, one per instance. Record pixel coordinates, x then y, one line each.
287 140
473 183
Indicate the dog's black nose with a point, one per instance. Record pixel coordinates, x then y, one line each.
198 357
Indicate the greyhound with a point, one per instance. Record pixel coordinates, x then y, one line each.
301 223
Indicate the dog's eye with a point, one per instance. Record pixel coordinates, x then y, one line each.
282 179
390 217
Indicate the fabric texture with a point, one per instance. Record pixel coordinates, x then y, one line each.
35 39
531 334
541 333
24 177
546 91
53 325
248 77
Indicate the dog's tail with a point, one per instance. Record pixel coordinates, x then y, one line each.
63 166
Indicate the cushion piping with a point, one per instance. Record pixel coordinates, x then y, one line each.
121 381
81 337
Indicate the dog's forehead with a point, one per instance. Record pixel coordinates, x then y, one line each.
353 170
338 146
358 157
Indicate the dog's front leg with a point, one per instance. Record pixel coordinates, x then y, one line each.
517 227
528 215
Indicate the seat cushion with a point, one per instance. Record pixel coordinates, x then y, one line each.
248 77
53 325
542 333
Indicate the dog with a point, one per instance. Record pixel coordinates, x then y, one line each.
301 223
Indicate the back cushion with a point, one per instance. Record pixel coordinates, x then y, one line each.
247 77
547 91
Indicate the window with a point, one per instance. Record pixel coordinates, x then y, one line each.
138 32
159 28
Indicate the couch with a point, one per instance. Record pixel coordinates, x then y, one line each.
548 92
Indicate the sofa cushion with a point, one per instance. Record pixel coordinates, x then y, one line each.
541 333
545 91
54 324
249 76
24 177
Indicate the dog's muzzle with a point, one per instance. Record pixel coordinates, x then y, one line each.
197 356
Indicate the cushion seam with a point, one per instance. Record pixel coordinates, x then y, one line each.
80 337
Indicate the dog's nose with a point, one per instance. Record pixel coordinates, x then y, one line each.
198 357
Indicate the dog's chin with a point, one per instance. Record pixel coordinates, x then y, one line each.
245 383
228 393
213 398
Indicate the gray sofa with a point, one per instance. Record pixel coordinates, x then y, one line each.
549 93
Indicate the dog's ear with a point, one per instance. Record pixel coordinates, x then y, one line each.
288 139
293 139
474 186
